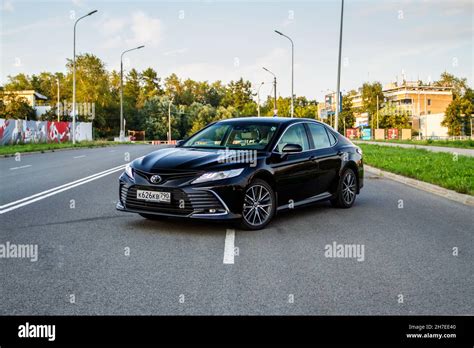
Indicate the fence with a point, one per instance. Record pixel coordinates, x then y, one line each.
22 131
378 134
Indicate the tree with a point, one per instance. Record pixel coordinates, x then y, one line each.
18 82
392 117
155 118
459 85
346 116
238 93
15 107
370 92
92 87
458 114
206 115
151 85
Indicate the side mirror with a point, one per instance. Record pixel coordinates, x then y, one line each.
180 142
292 148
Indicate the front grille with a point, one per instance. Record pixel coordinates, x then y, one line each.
181 203
168 175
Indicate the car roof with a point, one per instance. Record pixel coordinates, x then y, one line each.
266 119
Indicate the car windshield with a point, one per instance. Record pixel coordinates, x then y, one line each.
234 136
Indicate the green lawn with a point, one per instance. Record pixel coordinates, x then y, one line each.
467 144
442 169
12 149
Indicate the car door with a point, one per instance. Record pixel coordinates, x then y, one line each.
294 172
325 156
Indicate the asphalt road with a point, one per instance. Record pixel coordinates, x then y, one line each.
176 266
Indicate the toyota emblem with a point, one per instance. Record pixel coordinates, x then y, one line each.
155 179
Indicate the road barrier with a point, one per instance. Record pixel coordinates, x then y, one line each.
379 133
23 131
163 142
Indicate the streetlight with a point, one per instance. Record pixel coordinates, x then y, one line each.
169 120
74 78
258 98
122 131
275 110
292 68
339 68
57 82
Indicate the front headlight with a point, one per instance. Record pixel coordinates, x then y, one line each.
212 176
129 171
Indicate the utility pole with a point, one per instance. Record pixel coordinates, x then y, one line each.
275 110
74 78
339 70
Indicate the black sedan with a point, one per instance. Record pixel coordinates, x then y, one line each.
245 169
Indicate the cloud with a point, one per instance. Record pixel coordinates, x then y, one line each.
7 6
111 26
137 29
174 53
145 30
277 60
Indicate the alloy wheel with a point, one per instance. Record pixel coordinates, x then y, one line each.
258 205
349 188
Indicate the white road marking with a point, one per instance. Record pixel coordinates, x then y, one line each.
229 247
25 166
48 193
80 156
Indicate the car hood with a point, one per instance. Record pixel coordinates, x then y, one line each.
191 159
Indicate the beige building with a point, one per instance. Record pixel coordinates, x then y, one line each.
425 104
32 97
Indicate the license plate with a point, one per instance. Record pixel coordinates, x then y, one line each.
154 196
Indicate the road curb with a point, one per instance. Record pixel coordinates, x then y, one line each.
427 187
58 150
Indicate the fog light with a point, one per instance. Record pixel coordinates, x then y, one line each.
212 211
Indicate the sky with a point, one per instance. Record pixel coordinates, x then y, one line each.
226 40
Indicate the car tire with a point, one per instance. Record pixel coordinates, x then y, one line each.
259 205
346 190
152 216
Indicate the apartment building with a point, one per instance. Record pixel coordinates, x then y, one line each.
425 104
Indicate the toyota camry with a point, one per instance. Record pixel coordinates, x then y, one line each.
244 170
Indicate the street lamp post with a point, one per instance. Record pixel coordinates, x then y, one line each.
169 120
258 98
74 78
57 82
275 110
122 131
292 69
339 70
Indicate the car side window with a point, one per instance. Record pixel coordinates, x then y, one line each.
295 134
332 138
320 136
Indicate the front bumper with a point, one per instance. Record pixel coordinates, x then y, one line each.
221 201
